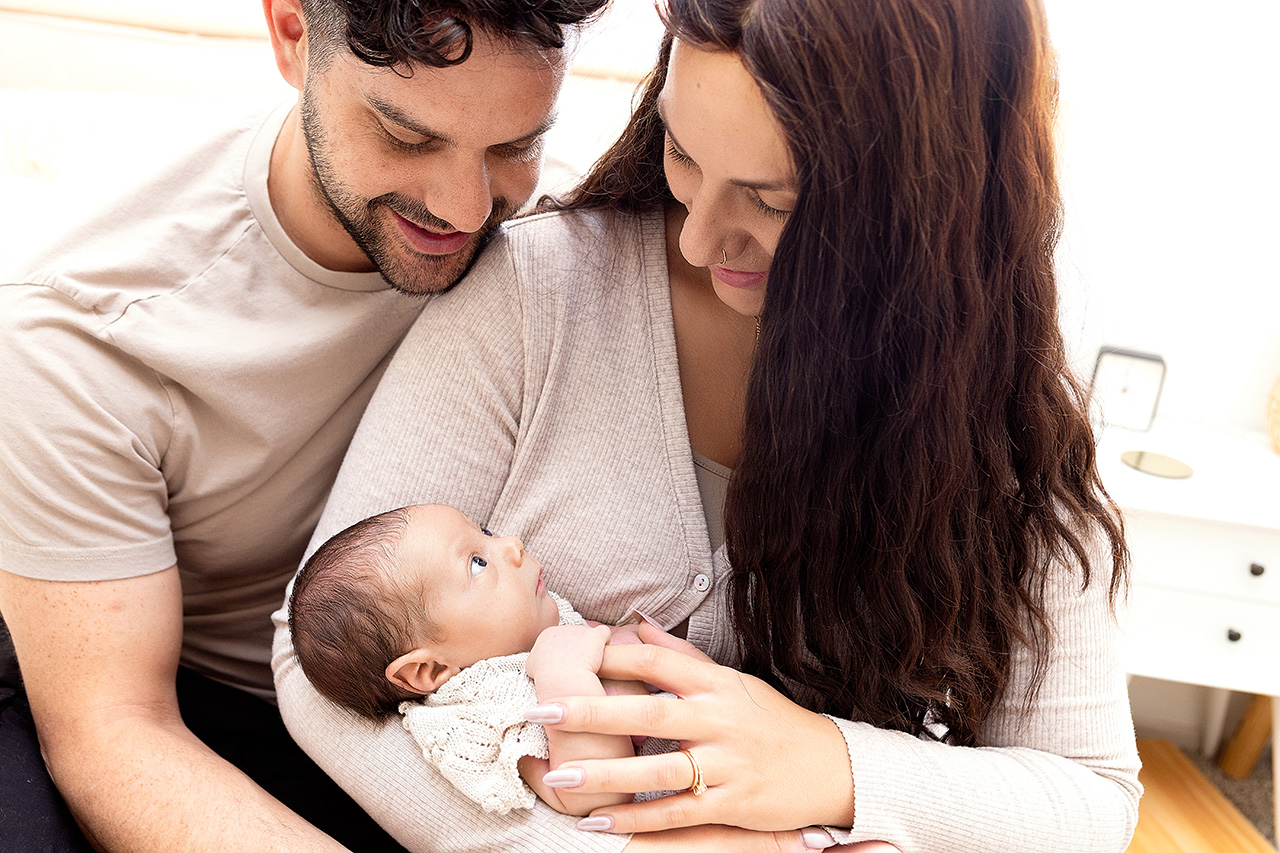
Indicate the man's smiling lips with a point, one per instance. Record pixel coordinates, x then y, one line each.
431 242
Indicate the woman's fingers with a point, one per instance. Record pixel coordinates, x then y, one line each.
673 812
731 839
665 668
669 771
655 636
649 716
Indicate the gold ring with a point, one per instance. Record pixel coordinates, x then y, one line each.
698 787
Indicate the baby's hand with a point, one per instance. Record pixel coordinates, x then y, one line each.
626 635
567 647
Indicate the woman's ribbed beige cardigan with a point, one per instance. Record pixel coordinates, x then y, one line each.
542 396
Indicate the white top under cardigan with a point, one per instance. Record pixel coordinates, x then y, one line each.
542 396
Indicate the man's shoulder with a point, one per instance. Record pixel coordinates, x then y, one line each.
176 221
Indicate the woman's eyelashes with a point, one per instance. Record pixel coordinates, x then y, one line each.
771 211
679 157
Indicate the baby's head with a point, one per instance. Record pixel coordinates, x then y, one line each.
395 605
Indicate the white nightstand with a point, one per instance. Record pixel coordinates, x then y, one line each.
1205 603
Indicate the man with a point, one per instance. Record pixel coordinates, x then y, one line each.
182 376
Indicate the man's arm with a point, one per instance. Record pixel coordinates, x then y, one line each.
99 661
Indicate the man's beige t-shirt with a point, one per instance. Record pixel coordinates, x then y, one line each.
180 385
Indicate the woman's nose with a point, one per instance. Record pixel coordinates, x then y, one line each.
704 238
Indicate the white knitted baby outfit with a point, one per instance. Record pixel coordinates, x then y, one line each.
473 728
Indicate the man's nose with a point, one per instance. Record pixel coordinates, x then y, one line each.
460 194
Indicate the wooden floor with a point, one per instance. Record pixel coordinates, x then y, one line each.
1182 812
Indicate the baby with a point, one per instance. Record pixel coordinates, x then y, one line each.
421 610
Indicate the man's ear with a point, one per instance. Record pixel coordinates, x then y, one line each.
419 671
288 39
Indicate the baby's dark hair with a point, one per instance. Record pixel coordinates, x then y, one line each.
352 612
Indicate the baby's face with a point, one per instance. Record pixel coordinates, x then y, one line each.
485 592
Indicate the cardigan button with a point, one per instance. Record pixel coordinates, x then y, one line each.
701 582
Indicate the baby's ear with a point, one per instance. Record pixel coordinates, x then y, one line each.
418 671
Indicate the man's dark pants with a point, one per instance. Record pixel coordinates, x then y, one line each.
241 728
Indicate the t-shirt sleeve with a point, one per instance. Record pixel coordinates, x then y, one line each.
83 433
1062 777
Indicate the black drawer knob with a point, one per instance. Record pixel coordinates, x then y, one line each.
1257 569
1233 635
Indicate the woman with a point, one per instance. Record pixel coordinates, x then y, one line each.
827 337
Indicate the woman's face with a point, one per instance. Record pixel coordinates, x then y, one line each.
727 162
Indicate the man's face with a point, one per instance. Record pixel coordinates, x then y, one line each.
419 171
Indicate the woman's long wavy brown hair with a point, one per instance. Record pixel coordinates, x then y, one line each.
916 456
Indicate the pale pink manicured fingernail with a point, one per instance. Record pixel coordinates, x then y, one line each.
596 824
545 714
646 617
816 839
565 777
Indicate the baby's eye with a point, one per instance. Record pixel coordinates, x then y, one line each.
485 531
477 564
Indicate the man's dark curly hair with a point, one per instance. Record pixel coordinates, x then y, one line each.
399 34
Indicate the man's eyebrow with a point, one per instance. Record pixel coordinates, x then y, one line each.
399 117
543 126
759 186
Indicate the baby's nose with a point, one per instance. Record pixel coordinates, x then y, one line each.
516 550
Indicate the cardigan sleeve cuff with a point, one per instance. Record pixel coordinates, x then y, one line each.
875 804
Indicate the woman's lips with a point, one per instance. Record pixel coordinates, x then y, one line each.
431 242
735 278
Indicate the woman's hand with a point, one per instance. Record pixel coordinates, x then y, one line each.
650 634
729 839
768 763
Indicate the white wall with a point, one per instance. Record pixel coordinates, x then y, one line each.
1171 132
1170 113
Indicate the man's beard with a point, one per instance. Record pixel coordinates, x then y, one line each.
407 271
